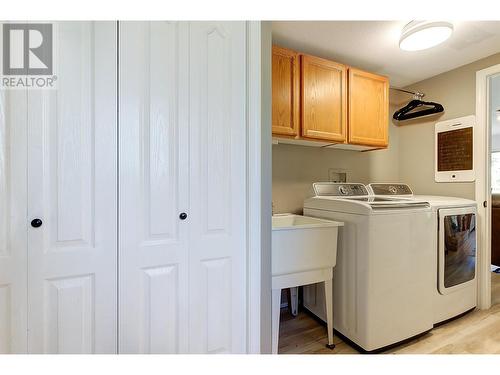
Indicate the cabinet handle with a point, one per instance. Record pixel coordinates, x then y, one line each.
35 223
183 216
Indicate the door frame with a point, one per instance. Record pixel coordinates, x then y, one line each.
259 163
482 150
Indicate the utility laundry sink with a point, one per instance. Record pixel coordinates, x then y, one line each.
304 251
301 243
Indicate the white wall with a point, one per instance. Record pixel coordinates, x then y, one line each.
295 168
384 164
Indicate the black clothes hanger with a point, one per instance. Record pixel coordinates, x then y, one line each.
407 112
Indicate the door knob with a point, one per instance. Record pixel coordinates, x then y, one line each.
183 216
35 223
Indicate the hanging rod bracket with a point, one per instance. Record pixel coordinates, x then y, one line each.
416 94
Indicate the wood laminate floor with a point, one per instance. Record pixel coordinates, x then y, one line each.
477 332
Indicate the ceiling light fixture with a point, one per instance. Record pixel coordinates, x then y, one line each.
419 35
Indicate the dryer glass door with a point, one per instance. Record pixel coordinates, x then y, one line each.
457 248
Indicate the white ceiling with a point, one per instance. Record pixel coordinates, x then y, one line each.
374 46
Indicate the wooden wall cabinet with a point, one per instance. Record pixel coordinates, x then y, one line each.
368 109
323 103
323 99
285 92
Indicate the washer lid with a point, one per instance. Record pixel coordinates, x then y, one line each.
364 205
382 203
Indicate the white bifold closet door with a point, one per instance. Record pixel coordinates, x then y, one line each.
58 282
13 222
182 283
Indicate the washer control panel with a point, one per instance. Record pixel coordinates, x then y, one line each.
390 189
339 189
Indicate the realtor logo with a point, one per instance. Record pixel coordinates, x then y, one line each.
27 56
27 49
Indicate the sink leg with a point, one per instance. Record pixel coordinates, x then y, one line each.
276 303
329 312
294 300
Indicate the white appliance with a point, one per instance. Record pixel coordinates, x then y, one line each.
454 249
382 280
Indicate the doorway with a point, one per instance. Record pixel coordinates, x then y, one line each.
487 154
494 156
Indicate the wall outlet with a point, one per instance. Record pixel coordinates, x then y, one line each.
337 175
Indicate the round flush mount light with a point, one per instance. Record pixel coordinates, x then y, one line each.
419 35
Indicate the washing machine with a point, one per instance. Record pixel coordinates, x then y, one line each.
454 247
383 285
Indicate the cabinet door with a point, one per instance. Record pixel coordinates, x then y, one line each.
368 108
217 221
285 97
72 179
324 99
154 187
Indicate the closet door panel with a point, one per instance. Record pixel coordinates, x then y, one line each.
73 190
13 222
153 184
217 247
6 318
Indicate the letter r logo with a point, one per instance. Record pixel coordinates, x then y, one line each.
27 49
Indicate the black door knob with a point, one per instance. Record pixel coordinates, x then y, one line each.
183 216
35 223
